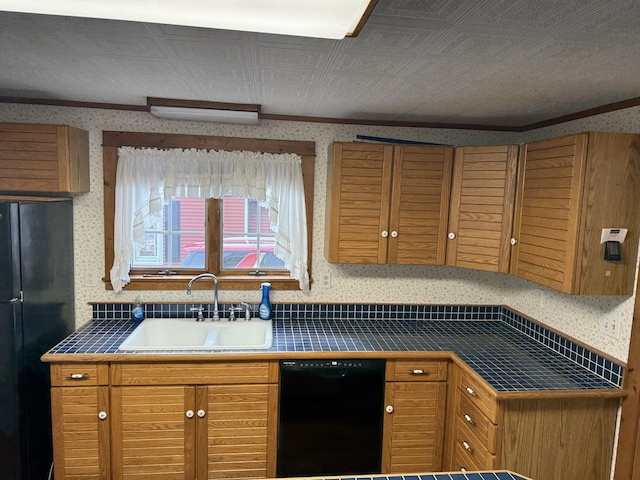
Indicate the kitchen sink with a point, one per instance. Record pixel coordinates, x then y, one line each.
188 334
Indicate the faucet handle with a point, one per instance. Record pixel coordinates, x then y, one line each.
247 310
199 309
232 311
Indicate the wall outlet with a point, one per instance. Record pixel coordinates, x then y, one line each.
611 328
326 280
88 279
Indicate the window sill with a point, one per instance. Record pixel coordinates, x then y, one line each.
179 282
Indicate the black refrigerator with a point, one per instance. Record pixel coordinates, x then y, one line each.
36 312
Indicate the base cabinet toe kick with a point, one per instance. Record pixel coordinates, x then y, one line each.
219 419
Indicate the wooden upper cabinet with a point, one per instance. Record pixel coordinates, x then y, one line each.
569 189
387 203
38 158
482 200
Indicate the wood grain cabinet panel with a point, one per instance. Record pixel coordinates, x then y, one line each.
43 158
541 438
569 189
154 432
482 202
164 430
415 408
241 431
80 425
387 204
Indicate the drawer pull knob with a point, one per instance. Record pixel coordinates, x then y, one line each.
102 415
470 391
467 447
469 419
462 469
189 413
389 409
78 376
201 413
418 371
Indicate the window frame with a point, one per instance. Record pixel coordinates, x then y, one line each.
228 280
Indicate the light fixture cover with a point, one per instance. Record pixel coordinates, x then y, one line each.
205 115
307 18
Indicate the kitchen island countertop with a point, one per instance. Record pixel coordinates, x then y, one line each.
485 475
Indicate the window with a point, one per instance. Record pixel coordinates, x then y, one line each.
178 232
247 237
230 238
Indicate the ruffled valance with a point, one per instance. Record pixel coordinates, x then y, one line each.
148 178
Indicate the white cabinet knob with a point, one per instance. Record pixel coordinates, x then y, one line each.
189 413
469 419
384 234
201 413
451 235
417 371
102 415
394 234
389 409
513 241
467 447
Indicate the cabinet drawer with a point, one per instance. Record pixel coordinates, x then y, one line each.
470 452
475 421
419 370
79 374
193 373
464 461
478 393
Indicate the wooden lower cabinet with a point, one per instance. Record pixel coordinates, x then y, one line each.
541 438
81 432
415 402
193 432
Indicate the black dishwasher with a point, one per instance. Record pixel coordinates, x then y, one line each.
330 418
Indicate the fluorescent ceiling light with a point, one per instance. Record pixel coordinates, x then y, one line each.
205 115
307 18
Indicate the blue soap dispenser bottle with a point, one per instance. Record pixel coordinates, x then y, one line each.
264 311
137 311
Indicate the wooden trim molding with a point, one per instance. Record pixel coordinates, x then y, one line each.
611 107
113 140
628 452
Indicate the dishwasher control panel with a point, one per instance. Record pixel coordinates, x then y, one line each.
313 364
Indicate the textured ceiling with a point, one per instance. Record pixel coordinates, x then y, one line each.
494 62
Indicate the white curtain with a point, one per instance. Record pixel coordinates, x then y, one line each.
148 178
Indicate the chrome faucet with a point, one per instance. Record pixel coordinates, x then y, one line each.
215 317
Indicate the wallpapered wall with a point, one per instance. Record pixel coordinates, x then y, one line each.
579 317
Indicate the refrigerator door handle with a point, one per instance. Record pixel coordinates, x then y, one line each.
19 298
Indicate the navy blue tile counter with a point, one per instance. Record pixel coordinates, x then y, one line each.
499 348
497 475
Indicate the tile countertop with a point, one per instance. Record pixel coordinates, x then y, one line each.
493 475
507 359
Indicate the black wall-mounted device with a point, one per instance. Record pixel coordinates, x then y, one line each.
612 251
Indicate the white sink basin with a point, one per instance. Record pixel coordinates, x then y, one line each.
187 334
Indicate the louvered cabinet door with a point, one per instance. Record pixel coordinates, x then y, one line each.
482 203
153 432
240 429
420 205
413 427
546 227
358 198
43 158
80 432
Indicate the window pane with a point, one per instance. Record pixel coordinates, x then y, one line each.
247 238
177 240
